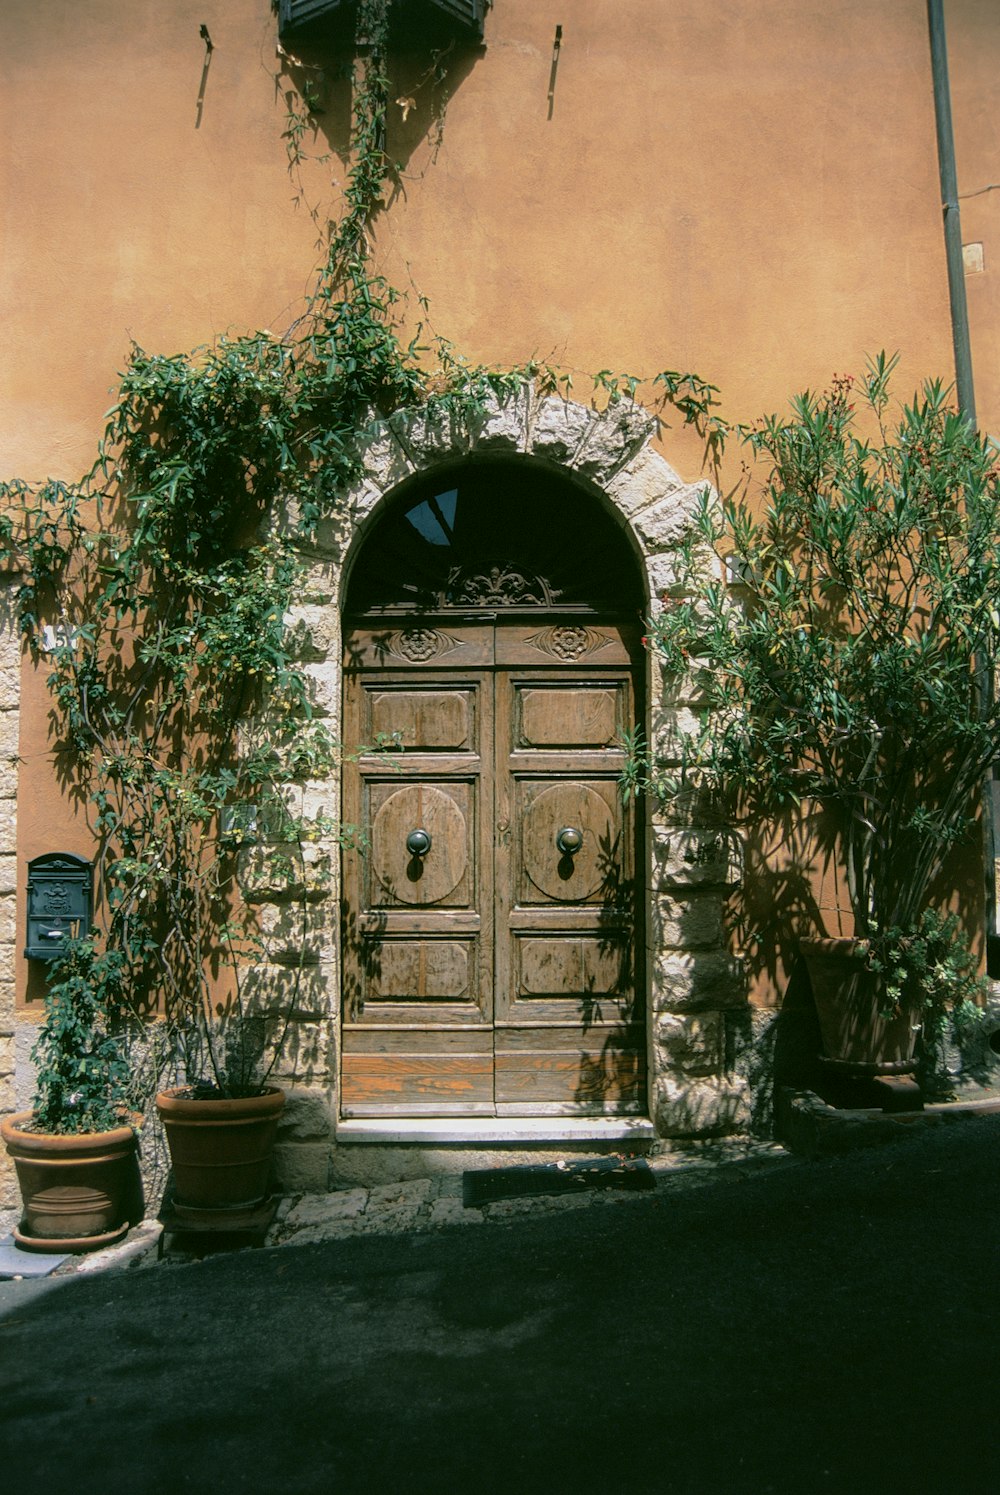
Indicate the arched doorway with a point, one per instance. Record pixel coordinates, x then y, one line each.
492 940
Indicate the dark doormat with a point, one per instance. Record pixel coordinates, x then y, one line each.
486 1185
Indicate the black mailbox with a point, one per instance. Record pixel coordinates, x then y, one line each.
59 898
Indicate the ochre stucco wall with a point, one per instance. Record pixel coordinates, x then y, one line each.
749 191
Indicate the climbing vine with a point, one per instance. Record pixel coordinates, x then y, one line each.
156 593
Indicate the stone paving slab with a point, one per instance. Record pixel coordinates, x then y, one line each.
17 1263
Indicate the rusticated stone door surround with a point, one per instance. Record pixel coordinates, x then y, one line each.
696 999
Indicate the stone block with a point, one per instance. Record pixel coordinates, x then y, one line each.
273 990
396 1207
669 578
646 480
687 921
690 1043
510 1209
663 525
429 435
558 427
24 1070
451 1211
9 734
10 1198
308 1053
973 261
302 1167
752 1057
664 576
410 1192
275 873
671 691
294 929
312 631
8 825
503 425
10 684
697 856
11 581
332 534
8 919
317 797
307 1116
614 438
317 1210
9 957
672 730
694 981
323 682
384 463
7 1014
7 1056
700 1107
319 584
8 873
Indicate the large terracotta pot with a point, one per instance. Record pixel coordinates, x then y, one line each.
79 1192
221 1150
847 997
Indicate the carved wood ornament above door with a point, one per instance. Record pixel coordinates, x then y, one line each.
491 957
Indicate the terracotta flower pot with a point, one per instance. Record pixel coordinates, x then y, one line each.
79 1191
848 996
221 1150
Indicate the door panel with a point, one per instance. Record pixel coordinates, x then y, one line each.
422 970
445 1072
545 1072
548 811
568 717
443 813
563 964
429 720
489 965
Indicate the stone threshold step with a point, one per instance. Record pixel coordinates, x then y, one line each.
499 1131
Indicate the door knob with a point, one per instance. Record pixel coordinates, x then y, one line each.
569 840
418 842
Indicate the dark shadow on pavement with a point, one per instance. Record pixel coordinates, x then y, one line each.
829 1326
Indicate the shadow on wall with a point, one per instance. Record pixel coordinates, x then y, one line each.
779 904
318 71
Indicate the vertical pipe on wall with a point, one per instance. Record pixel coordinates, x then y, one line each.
964 387
952 217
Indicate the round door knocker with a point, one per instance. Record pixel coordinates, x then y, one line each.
418 842
569 840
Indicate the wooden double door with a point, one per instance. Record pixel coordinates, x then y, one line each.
490 918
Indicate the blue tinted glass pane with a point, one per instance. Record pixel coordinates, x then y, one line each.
435 517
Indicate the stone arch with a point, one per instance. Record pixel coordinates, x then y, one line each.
699 1023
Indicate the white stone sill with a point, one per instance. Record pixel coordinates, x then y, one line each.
508 1130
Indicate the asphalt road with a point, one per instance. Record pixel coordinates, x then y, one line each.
827 1327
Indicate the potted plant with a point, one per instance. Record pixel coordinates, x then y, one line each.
845 661
220 1123
76 1151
